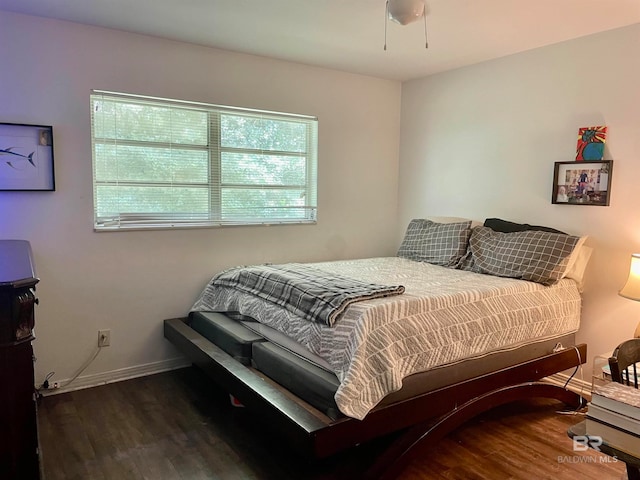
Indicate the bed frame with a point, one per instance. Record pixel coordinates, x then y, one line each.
424 419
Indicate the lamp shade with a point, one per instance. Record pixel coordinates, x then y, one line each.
405 11
631 289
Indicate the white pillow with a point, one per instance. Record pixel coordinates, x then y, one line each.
580 259
474 223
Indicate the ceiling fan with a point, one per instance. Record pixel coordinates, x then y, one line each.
405 12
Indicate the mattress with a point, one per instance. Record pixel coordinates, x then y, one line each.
444 316
309 377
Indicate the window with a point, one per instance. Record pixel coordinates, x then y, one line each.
161 163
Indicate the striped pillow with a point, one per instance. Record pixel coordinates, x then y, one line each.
536 256
441 244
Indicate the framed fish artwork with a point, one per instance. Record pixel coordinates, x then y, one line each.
26 157
591 143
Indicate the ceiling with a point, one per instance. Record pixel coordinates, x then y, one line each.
349 34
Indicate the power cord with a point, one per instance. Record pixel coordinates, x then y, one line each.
46 385
578 367
84 367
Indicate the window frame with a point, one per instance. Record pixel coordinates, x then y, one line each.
215 216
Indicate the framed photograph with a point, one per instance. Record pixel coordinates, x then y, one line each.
582 183
26 157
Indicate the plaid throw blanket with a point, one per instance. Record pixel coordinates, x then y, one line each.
310 293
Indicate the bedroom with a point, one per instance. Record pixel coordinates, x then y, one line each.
396 149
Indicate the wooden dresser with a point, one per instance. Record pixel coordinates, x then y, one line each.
19 456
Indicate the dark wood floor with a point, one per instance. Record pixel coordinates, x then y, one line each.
179 425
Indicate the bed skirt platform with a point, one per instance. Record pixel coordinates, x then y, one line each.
424 418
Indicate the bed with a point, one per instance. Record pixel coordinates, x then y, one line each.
463 319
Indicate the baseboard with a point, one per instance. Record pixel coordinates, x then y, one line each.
88 381
576 385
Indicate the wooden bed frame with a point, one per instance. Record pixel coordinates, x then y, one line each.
425 418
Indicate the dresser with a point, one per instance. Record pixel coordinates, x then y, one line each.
19 456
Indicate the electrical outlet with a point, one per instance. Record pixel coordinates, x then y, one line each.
104 338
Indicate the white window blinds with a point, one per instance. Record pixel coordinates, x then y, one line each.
161 163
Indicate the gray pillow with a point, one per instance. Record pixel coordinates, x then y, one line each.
536 256
438 243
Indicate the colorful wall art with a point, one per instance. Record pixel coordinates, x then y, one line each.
591 143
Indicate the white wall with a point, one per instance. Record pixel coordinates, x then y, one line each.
481 141
129 282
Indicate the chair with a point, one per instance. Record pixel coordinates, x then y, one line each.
623 362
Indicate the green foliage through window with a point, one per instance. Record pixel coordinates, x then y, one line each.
164 163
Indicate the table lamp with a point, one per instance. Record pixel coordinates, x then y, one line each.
631 289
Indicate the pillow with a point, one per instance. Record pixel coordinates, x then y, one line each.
537 256
578 259
438 243
499 225
576 270
474 223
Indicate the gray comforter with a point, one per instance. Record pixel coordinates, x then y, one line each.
444 316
